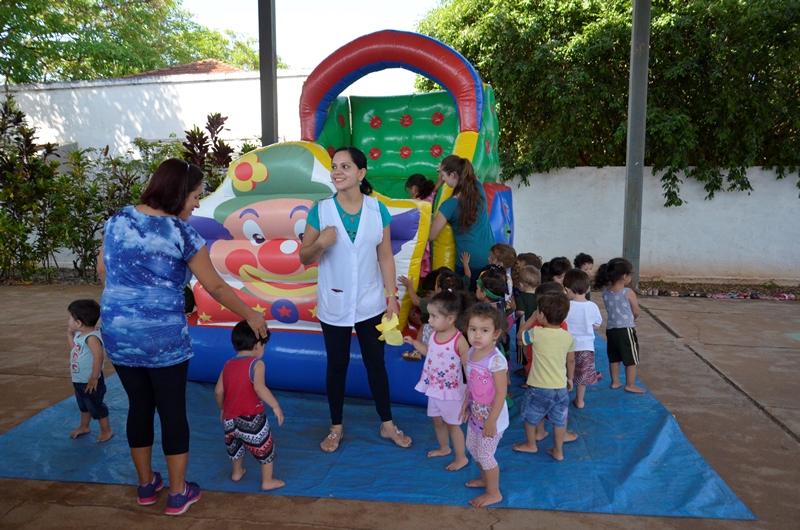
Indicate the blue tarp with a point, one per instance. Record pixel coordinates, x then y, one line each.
631 456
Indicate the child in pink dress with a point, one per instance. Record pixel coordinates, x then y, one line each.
441 378
485 406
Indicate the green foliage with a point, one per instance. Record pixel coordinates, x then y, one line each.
722 96
47 206
96 186
247 147
29 192
209 152
69 40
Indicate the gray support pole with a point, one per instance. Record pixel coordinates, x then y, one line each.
637 117
268 70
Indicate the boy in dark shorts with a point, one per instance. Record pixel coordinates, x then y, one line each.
86 367
241 394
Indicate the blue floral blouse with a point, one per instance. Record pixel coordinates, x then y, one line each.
142 309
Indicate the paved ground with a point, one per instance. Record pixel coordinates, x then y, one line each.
727 369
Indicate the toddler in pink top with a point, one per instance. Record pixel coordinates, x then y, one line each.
442 380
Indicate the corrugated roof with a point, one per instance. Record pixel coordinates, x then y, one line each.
206 66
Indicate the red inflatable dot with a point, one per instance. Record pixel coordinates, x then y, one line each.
405 152
331 150
406 120
437 118
374 153
488 146
243 171
375 122
436 151
341 120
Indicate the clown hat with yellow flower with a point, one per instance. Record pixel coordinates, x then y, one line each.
287 170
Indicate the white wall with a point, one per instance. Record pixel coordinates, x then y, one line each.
116 111
734 236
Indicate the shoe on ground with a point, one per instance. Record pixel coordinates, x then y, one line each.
178 504
148 492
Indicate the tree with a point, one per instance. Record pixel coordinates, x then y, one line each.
69 40
722 96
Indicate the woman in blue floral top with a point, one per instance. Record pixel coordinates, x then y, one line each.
149 254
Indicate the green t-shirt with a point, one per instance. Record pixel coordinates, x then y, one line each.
350 222
525 302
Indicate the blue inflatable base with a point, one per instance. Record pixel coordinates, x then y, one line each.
296 361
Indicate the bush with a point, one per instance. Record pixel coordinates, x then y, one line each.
47 206
29 194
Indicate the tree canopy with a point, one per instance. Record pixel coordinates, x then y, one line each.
70 40
723 94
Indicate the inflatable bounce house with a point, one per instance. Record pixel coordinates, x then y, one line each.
254 221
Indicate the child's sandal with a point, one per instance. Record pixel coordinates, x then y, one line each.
412 355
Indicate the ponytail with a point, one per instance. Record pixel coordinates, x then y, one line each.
611 272
470 200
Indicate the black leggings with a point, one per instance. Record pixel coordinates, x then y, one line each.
162 389
337 345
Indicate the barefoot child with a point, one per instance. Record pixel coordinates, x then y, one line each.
446 280
241 394
86 365
492 288
584 316
486 401
441 379
623 310
550 380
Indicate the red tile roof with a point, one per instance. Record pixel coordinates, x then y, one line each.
206 66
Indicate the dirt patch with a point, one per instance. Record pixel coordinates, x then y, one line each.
56 277
763 290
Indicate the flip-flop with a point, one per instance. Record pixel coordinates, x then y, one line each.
331 442
400 439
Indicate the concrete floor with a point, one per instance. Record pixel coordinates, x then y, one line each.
727 370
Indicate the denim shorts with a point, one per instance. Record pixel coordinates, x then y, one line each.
541 402
92 403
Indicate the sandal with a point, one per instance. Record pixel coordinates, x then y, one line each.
412 355
331 442
397 437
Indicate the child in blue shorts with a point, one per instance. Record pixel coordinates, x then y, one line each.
86 367
550 379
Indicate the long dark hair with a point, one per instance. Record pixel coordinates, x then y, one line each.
470 200
171 184
360 160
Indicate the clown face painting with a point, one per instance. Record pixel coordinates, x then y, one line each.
254 223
